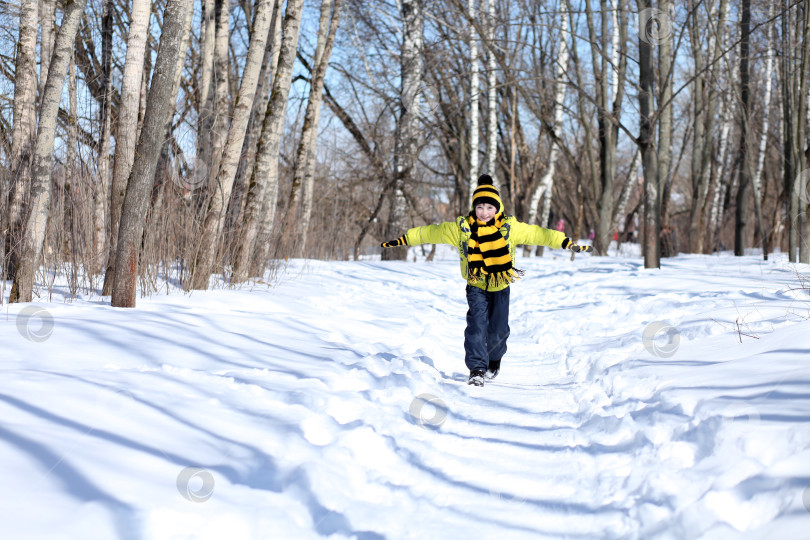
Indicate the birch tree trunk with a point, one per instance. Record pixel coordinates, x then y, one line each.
330 18
23 134
136 198
492 95
40 200
763 141
260 207
126 134
475 85
219 120
407 136
206 98
627 189
254 129
47 15
223 185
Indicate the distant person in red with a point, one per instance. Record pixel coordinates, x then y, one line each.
561 225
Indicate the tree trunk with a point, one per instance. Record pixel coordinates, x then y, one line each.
766 108
254 129
407 134
609 96
492 95
23 134
744 189
47 14
665 107
222 187
206 96
794 102
101 187
801 150
260 207
136 198
126 133
330 18
219 121
475 85
649 161
40 200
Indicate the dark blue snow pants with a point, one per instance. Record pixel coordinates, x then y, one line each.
487 327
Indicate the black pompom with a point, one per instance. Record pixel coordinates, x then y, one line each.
485 180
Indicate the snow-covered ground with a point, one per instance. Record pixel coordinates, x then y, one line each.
633 403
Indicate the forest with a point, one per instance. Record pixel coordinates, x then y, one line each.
178 140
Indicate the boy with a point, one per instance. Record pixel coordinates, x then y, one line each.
486 242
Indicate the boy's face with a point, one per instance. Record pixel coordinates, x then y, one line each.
485 211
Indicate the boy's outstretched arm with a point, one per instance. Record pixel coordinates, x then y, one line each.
440 233
535 235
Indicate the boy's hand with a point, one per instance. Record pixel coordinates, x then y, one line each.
577 248
401 241
569 244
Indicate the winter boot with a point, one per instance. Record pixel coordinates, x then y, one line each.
493 369
476 377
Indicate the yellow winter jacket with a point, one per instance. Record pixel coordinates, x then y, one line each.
457 233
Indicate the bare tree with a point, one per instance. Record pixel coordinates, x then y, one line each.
610 78
646 142
743 191
159 102
40 199
756 181
261 199
126 133
545 188
407 134
47 14
492 93
105 112
23 132
223 185
219 92
475 85
305 159
794 91
204 94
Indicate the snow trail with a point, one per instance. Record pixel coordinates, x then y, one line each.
631 404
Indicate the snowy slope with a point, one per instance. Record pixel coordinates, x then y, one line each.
633 403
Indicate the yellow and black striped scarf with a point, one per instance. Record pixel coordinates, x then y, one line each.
488 253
